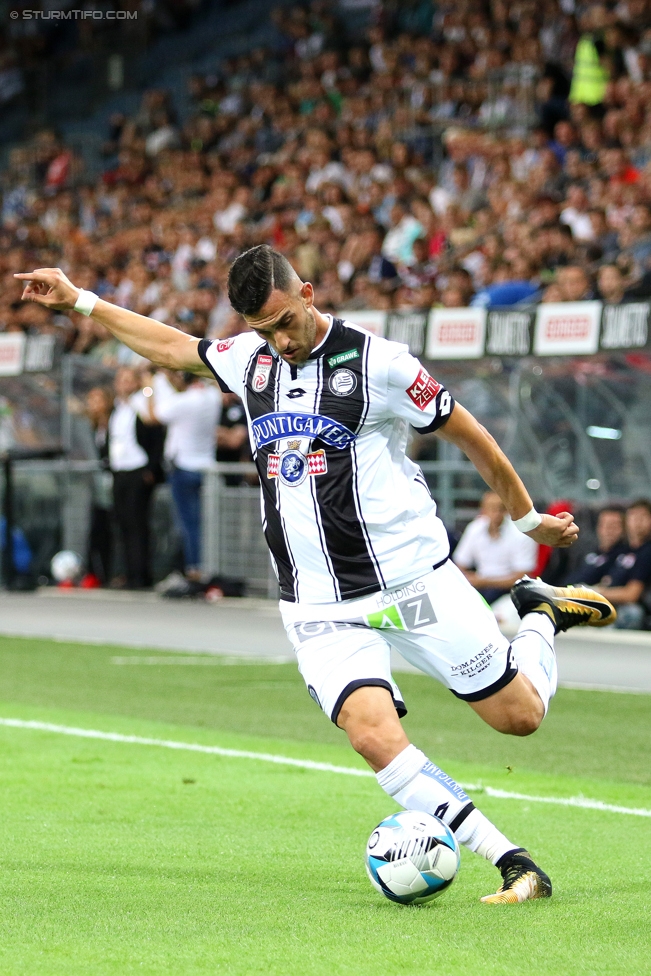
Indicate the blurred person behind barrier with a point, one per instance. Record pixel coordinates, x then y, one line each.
492 554
190 407
99 405
611 283
574 284
233 445
611 542
134 477
631 572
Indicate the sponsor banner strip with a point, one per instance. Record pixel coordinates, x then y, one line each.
551 329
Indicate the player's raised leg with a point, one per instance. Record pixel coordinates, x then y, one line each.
546 611
369 718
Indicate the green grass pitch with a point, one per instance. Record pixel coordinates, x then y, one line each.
119 859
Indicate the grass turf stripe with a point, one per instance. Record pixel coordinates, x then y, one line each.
573 801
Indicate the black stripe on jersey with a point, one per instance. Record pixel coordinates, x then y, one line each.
367 397
336 492
258 403
202 349
317 513
420 478
367 403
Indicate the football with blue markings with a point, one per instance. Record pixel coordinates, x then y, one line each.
412 857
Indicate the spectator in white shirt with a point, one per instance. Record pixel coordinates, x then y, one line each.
492 553
191 408
576 214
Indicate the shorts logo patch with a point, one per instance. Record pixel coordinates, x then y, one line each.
262 372
343 357
410 614
313 695
306 630
224 344
293 467
474 665
343 382
423 390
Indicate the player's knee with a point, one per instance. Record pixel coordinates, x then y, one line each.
378 744
365 739
523 721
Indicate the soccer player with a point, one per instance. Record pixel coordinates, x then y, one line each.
362 558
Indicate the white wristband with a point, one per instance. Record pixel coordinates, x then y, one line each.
528 522
85 302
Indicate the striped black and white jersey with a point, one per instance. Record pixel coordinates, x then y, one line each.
344 511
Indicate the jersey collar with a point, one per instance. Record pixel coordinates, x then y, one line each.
328 340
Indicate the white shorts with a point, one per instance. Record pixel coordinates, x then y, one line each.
437 622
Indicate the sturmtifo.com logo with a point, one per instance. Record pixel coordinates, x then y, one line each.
74 14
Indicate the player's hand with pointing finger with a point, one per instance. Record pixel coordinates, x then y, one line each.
49 287
559 531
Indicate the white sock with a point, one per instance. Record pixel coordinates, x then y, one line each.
533 650
417 784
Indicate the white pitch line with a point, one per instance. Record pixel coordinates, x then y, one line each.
572 801
18 723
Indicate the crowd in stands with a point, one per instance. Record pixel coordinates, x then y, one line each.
327 148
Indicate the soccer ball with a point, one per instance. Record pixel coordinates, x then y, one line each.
412 857
66 565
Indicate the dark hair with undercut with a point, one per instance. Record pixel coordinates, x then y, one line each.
254 275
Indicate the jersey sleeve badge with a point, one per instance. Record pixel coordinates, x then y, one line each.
423 390
262 373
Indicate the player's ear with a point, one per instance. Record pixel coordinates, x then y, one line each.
307 293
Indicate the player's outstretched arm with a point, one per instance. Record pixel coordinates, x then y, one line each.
497 471
160 343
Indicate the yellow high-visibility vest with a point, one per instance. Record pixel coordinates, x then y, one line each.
589 78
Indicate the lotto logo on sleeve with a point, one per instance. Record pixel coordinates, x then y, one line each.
423 390
261 375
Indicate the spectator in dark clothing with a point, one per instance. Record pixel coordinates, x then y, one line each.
133 476
631 572
99 404
232 436
611 543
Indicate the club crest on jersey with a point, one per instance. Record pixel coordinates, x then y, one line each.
343 382
292 466
423 390
262 372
